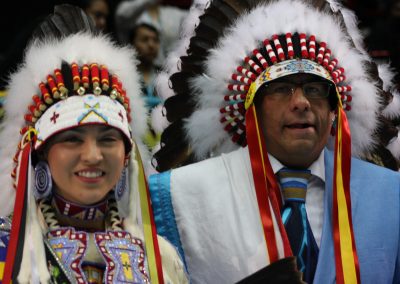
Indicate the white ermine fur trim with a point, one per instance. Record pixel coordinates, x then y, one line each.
351 23
158 120
172 62
387 74
204 130
41 59
393 109
394 147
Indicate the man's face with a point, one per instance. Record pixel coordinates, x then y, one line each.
99 12
147 44
296 121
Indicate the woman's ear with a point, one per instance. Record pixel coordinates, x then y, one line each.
39 155
126 160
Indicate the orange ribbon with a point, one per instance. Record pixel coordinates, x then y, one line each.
267 189
346 259
18 214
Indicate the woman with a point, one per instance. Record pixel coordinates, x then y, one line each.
81 212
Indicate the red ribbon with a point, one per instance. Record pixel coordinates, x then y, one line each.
343 126
17 214
266 187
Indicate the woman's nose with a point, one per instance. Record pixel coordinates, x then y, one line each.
91 152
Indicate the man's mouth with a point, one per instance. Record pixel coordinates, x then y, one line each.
299 125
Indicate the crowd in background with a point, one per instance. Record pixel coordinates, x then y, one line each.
152 28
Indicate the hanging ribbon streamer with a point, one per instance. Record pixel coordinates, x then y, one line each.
18 213
267 190
149 228
346 260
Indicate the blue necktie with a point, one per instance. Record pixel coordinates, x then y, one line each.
294 217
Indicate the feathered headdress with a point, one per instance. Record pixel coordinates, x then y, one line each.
187 79
238 46
70 76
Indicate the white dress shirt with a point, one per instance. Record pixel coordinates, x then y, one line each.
315 193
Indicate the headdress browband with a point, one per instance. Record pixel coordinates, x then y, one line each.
84 80
259 68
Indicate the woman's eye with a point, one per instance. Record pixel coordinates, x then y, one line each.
72 139
109 139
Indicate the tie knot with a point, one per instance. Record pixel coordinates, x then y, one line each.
294 183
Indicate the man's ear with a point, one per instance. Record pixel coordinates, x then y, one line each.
333 118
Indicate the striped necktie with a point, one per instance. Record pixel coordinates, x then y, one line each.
294 217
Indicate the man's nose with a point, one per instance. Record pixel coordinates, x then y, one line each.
298 100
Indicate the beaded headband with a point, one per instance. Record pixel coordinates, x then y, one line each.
65 102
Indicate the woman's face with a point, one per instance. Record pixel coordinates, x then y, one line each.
86 162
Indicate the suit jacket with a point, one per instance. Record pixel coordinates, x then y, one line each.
209 211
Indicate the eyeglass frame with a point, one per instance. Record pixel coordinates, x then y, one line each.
294 86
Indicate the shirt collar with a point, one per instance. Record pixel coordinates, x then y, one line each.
317 168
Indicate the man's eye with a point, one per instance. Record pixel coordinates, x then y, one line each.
282 89
312 90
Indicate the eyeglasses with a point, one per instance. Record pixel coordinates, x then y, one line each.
311 90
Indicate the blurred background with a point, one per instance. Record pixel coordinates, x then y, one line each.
379 20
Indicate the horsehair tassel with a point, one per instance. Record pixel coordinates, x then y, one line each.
321 52
53 87
242 79
85 76
235 87
303 46
247 73
327 57
279 49
289 44
45 94
253 65
311 47
260 58
60 83
270 51
105 81
76 78
234 98
39 103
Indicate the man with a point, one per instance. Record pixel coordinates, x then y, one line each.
167 20
98 10
145 39
278 83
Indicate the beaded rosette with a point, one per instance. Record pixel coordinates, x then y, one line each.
124 254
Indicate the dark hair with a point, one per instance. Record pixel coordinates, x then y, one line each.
134 30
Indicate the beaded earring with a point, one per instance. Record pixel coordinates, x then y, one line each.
121 186
43 180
